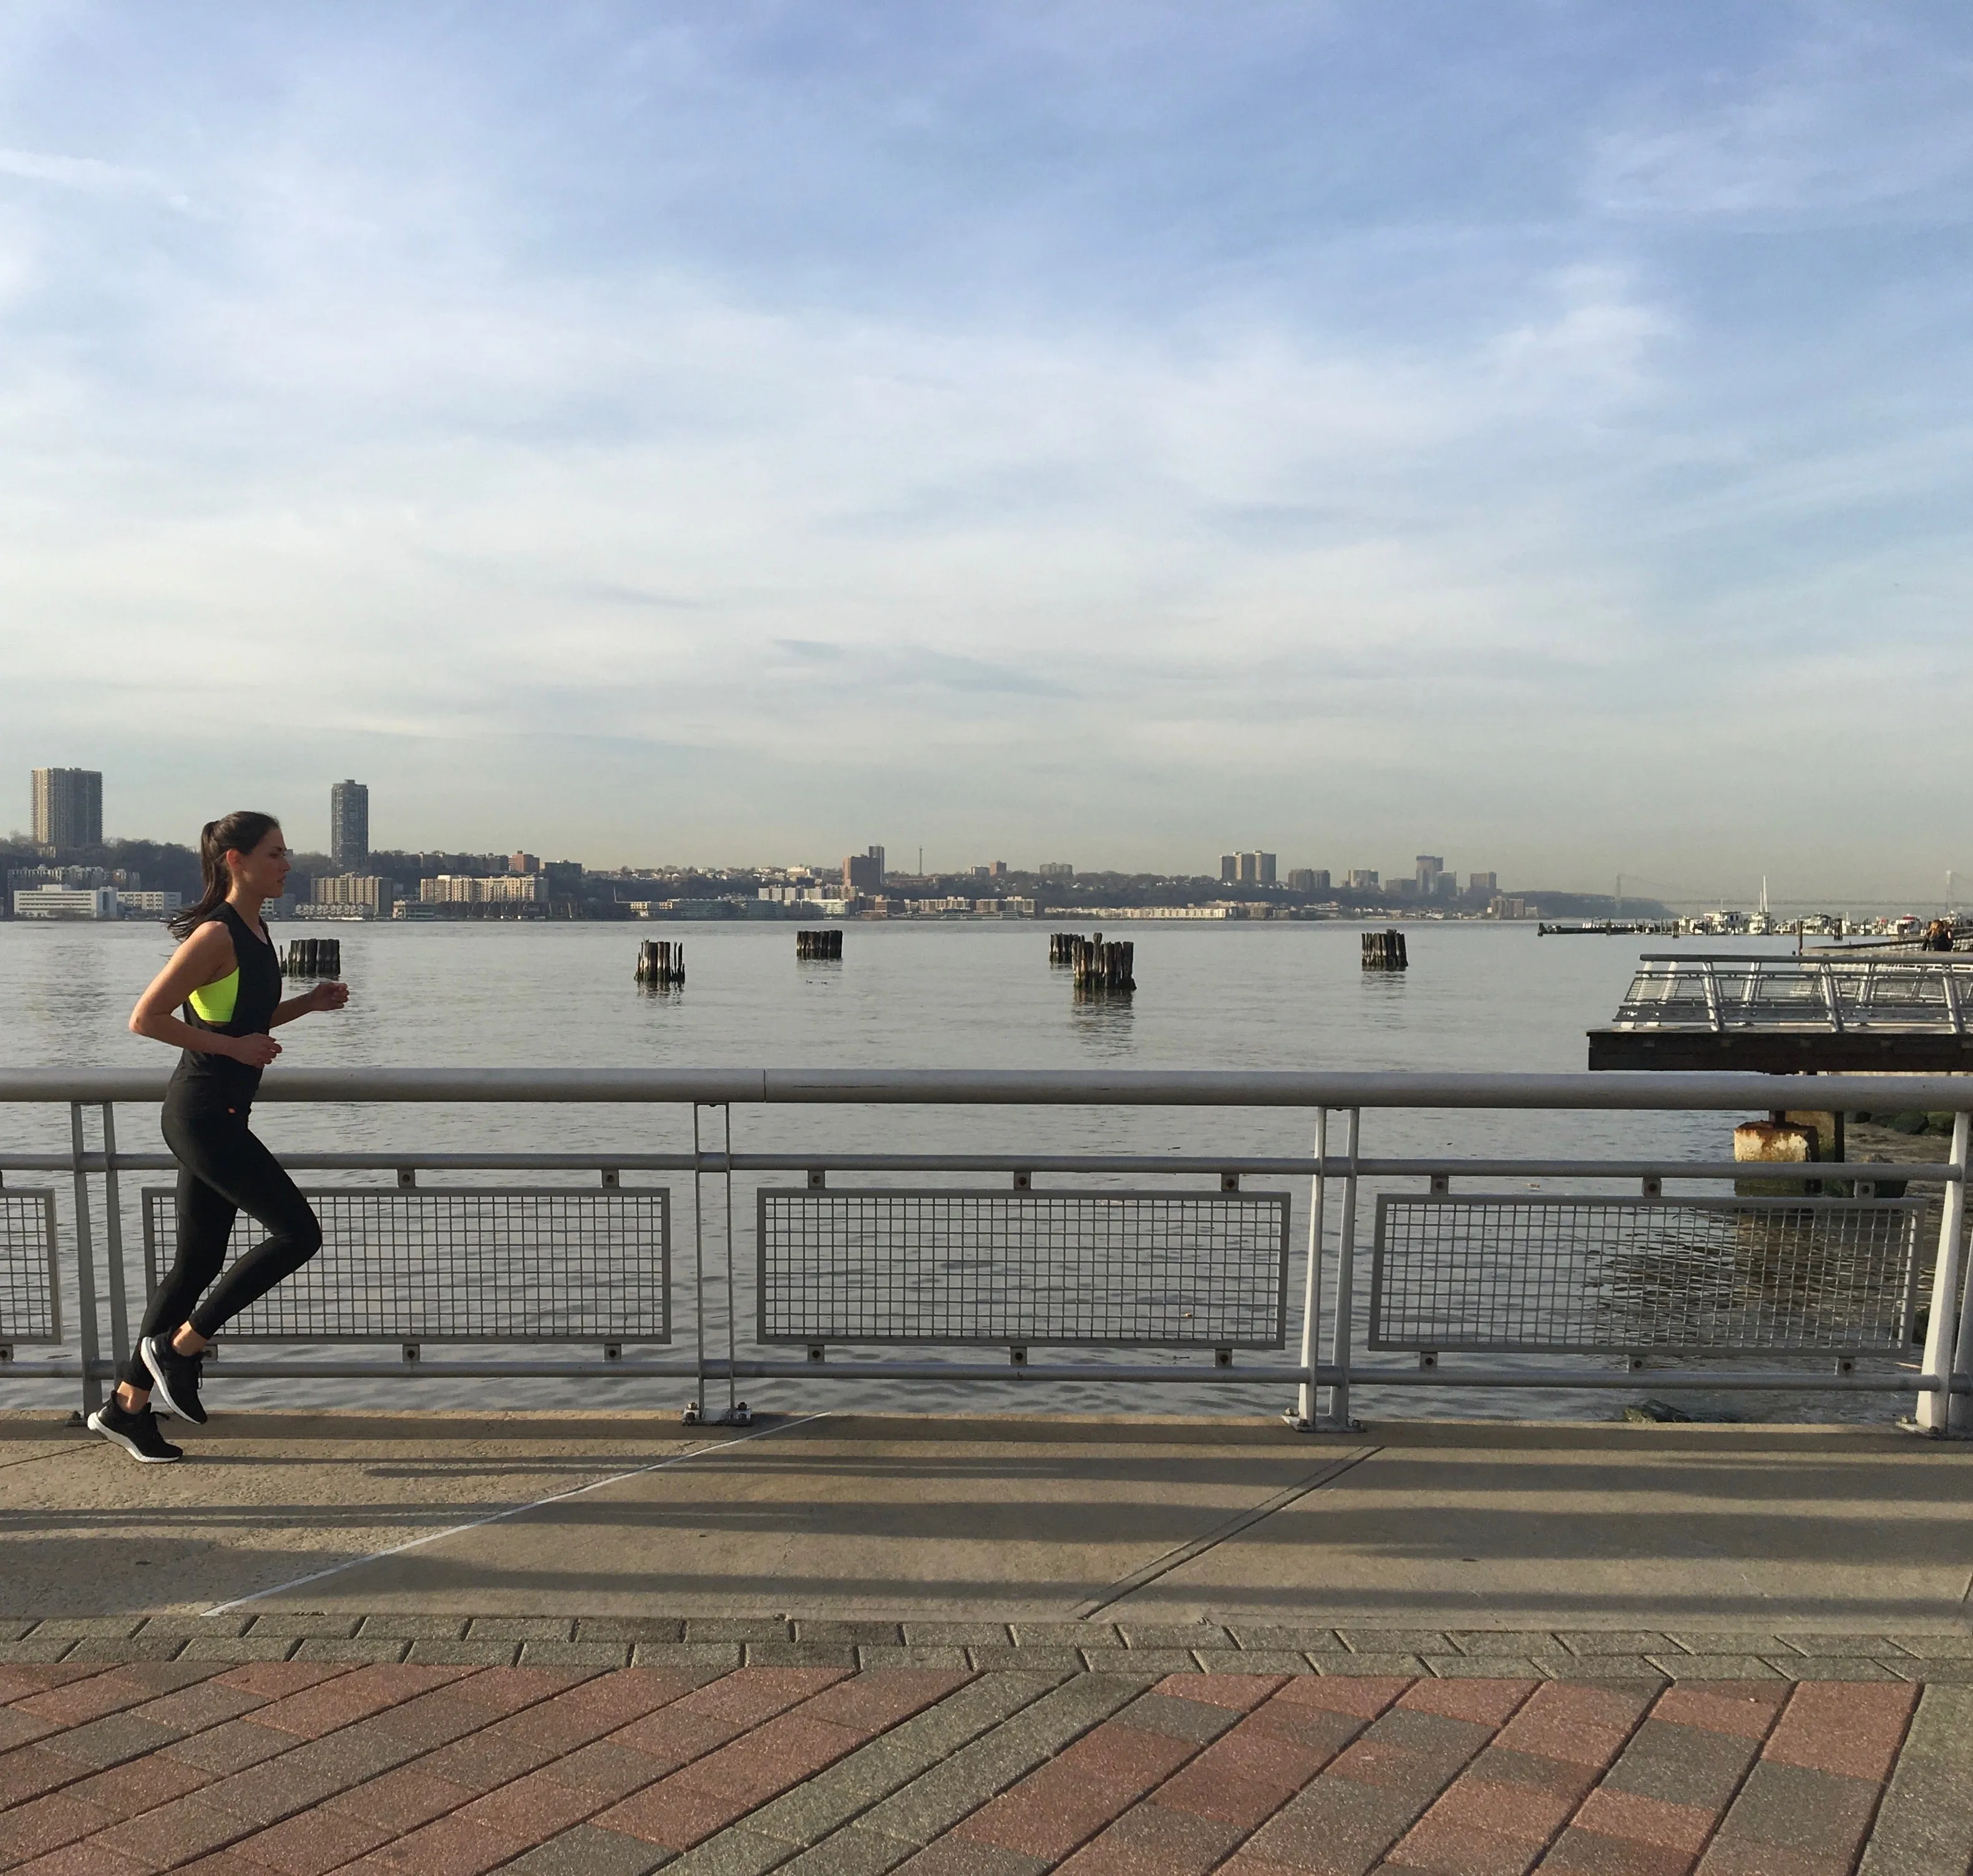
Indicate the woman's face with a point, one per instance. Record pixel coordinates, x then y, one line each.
265 869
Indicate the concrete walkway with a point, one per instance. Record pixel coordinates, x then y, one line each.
1409 1524
546 1643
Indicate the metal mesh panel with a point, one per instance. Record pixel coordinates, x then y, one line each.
30 1301
449 1265
1717 1276
1127 1268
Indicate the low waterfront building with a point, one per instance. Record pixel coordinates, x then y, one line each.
484 889
149 904
352 895
68 902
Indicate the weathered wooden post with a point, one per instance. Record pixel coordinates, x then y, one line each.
1385 951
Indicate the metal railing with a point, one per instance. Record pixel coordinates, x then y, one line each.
1822 994
1190 1264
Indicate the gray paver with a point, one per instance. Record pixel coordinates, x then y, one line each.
1614 1641
1816 1812
587 1851
301 1627
1083 1634
1843 1668
868 1657
601 1655
1717 1667
186 1626
239 1649
855 1852
1396 1641
995 1657
856 1634
89 1628
363 1648
957 1634
1252 1661
934 1802
737 1628
1195 1720
128 1647
467 1654
413 1628
1360 1664
1519 1643
1483 1667
37 1648
1934 1647
1187 1636
521 1629
1925 1825
706 1657
110 1740
800 1655
629 1629
1599 1667
1140 1660
1293 1638
841 1791
1729 1641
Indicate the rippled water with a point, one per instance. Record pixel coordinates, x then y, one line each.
959 995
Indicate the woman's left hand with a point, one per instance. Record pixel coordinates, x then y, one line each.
329 996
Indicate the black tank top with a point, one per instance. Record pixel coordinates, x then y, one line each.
242 1004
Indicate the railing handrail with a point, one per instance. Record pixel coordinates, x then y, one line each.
1642 1092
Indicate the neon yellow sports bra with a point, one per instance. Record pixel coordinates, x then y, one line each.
214 1003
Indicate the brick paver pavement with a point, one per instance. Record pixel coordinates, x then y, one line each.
249 1748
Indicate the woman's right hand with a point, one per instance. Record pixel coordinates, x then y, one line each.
255 1051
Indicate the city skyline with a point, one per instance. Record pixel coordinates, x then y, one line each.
1083 428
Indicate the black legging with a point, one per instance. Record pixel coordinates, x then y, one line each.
223 1171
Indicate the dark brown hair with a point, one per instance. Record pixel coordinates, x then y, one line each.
240 832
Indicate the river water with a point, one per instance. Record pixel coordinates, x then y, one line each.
964 994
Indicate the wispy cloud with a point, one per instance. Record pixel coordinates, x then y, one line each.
1228 421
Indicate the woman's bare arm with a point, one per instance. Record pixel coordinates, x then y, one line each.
205 958
324 996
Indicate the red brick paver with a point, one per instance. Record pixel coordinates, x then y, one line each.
304 1769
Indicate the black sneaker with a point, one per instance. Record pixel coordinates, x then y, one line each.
136 1433
175 1378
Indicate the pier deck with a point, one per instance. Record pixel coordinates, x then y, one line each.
985 1647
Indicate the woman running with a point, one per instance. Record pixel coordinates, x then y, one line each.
226 975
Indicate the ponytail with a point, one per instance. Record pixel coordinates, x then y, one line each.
240 832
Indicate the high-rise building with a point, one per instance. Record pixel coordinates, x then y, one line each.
1488 883
349 826
1362 879
863 872
1229 867
1429 866
68 808
1309 879
1251 869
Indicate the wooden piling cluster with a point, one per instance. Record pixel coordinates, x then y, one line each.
1103 969
819 945
660 963
1385 951
1061 948
313 957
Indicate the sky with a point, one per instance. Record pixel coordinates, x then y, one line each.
1535 434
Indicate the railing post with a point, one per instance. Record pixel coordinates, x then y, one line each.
113 1235
1302 1418
736 1409
693 1413
1959 1407
1947 1351
1339 1420
85 1268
